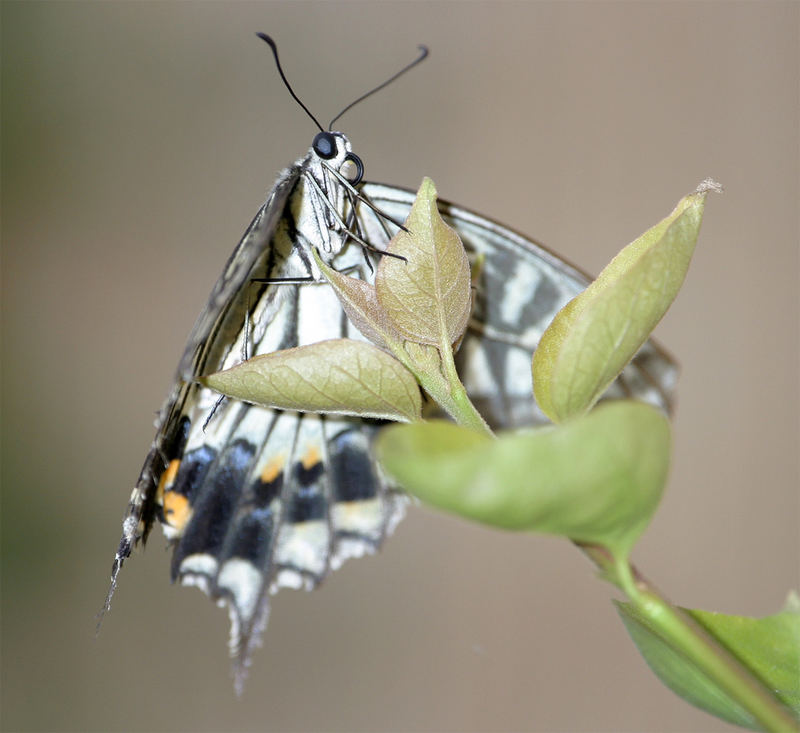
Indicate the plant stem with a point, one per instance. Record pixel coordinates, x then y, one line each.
467 415
683 633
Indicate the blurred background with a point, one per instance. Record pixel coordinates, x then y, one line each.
138 139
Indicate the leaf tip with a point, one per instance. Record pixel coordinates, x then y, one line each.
709 184
427 188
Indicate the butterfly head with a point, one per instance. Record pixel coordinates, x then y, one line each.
334 149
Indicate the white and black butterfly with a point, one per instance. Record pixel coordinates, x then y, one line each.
255 499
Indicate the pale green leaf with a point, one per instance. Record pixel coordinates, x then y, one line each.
427 293
769 647
598 332
339 376
596 479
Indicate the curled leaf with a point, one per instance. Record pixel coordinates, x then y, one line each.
360 302
598 332
596 479
339 376
427 294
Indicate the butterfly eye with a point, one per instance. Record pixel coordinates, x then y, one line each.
325 145
352 168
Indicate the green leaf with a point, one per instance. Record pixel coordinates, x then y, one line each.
427 294
596 479
428 291
769 647
597 333
339 376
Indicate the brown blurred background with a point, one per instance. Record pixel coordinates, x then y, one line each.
139 139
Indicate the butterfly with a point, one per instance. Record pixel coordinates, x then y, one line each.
255 499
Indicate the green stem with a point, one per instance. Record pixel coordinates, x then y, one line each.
466 413
435 370
683 633
454 401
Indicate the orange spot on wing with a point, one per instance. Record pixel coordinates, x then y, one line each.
177 510
311 458
167 479
273 469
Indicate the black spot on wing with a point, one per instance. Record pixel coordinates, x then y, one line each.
252 530
193 471
265 492
252 537
306 504
308 476
307 501
352 472
215 504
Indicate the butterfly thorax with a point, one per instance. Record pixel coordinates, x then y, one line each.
321 204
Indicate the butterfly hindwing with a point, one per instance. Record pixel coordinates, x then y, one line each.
249 496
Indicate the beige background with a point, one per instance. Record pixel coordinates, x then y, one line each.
139 139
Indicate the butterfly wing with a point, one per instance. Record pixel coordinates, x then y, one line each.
254 499
170 426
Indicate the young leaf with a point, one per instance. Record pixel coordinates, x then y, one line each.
419 307
598 332
426 294
360 302
769 647
339 376
596 479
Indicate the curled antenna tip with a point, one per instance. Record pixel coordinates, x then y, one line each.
265 37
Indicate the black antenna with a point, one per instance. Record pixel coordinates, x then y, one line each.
419 59
264 37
